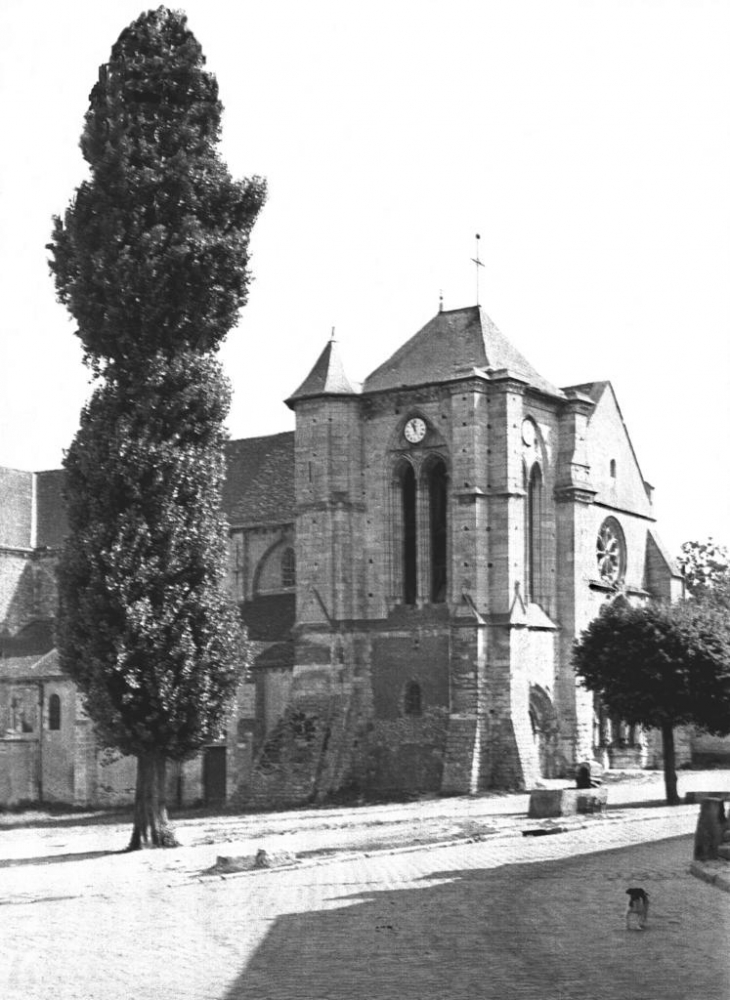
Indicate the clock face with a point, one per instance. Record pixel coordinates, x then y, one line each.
415 430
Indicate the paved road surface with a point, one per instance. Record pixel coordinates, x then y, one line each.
515 917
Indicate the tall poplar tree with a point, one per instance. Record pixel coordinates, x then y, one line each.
151 259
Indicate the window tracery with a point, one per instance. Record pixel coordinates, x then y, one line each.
611 552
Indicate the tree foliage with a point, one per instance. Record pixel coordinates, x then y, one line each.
151 258
659 665
144 626
706 569
152 254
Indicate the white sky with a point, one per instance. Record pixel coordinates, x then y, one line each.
587 142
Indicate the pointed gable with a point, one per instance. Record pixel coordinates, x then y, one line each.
327 378
615 471
451 345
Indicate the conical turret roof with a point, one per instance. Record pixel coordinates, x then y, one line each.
448 347
327 378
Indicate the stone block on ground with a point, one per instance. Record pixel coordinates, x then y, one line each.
711 827
229 864
591 800
692 797
549 802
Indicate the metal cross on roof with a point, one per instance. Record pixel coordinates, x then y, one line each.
478 263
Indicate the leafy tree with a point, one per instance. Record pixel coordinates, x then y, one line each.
144 627
151 259
706 569
152 253
660 666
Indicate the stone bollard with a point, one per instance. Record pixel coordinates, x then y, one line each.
711 825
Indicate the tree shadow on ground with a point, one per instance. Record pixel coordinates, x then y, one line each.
540 931
55 859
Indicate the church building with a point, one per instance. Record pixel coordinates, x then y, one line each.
455 523
413 563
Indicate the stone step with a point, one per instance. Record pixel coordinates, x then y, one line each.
723 851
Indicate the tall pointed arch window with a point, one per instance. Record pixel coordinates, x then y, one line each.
533 534
54 712
409 520
436 480
288 568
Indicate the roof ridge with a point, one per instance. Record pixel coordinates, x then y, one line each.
451 344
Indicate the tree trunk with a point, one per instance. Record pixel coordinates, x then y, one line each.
151 824
670 774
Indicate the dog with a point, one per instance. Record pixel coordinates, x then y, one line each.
638 909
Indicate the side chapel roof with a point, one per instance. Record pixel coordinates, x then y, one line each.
451 345
259 483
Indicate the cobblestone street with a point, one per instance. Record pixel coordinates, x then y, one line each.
507 917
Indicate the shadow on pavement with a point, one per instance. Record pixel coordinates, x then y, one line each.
54 859
545 931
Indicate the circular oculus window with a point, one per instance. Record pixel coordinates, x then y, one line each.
610 552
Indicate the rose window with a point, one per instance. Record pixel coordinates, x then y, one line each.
610 552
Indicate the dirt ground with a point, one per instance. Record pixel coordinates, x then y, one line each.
317 831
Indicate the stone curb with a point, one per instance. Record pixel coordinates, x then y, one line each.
713 873
334 855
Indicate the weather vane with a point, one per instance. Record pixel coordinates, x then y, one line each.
478 263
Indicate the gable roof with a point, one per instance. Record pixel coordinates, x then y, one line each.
30 668
33 640
327 378
596 392
450 346
259 483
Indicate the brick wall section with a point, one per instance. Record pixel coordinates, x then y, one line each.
463 763
58 745
16 590
28 590
16 509
18 771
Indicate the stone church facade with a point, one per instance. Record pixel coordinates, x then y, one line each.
413 563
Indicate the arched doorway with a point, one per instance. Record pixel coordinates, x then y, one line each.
544 725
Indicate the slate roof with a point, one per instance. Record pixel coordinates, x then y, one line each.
450 346
51 521
327 378
259 484
30 668
34 639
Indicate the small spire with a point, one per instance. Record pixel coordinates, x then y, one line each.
478 263
441 301
332 336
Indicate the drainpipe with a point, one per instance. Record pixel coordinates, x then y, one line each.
40 741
